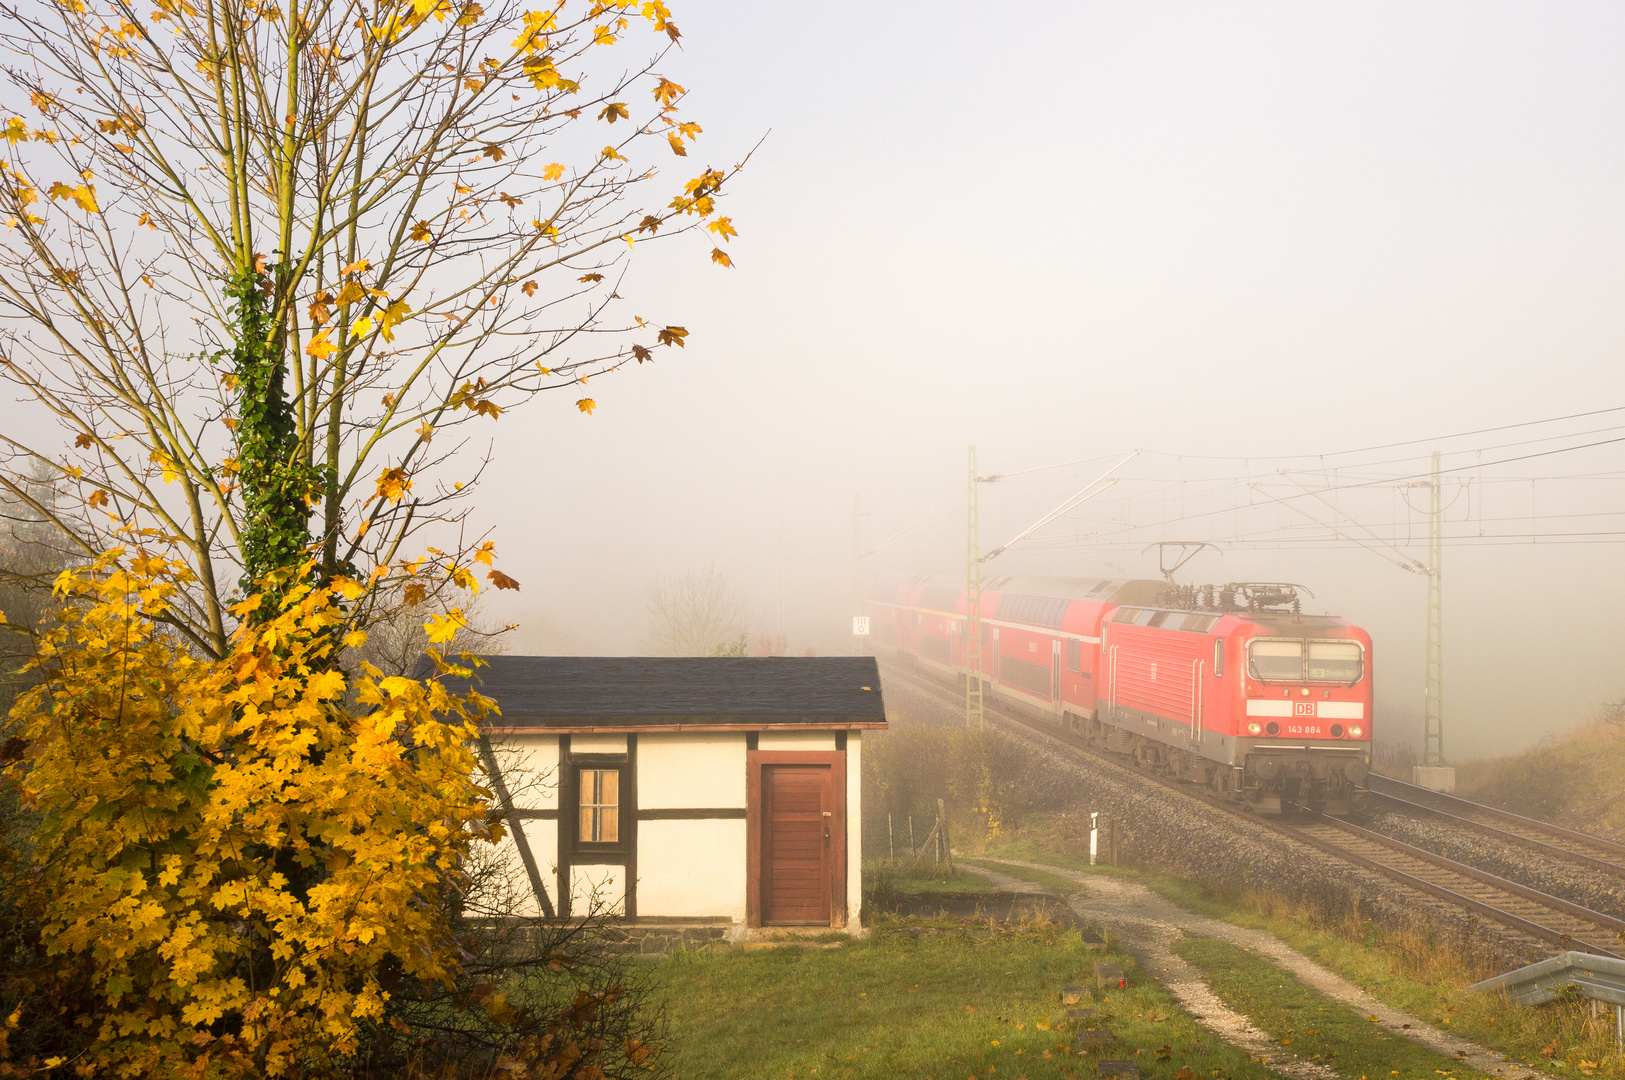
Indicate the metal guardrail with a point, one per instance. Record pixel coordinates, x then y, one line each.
1600 978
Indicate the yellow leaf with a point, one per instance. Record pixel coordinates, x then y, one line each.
327 684
392 317
425 431
611 154
321 347
720 257
420 231
442 628
553 171
587 405
360 266
614 111
723 227
362 326
528 288
83 197
393 484
677 146
666 92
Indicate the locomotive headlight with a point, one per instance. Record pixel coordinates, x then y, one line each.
1254 728
1304 691
1355 731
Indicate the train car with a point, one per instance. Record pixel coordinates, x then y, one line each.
1231 687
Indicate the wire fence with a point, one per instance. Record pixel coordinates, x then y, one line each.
920 837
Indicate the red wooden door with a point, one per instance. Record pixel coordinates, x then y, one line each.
797 816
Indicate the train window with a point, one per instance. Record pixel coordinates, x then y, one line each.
1160 617
1200 623
1275 659
1127 614
1074 655
1145 617
1218 658
1336 661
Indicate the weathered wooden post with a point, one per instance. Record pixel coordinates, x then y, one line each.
942 826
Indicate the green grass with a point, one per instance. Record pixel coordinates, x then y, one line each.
1403 967
944 1007
1311 1025
890 880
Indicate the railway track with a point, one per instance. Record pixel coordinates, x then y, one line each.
1502 825
1527 911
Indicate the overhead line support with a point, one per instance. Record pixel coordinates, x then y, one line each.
975 715
1433 694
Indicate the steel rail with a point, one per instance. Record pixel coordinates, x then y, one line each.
1471 903
1503 815
1557 903
1521 839
1507 918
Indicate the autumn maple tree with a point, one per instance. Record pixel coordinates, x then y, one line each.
264 270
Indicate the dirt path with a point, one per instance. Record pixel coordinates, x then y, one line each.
1150 924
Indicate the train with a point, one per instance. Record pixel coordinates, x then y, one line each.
1231 687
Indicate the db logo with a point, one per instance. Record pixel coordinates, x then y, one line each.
1303 708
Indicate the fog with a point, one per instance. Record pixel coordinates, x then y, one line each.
1238 232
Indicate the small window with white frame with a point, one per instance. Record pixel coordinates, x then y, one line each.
600 806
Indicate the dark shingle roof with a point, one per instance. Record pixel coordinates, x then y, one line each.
643 692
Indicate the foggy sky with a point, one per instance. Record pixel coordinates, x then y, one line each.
1060 230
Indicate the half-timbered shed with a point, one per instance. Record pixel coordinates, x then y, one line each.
686 787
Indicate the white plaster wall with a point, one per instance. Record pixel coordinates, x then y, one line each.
543 837
607 883
598 744
690 771
530 766
797 740
691 868
854 828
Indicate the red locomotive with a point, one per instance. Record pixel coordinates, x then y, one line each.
1230 687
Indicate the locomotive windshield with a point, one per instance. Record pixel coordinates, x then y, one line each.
1336 661
1291 660
1275 659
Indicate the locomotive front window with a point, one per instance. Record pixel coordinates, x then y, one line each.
1275 659
1336 661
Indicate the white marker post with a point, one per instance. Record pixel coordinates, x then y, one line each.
1094 836
860 625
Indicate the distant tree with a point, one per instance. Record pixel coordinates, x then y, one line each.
770 644
697 613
